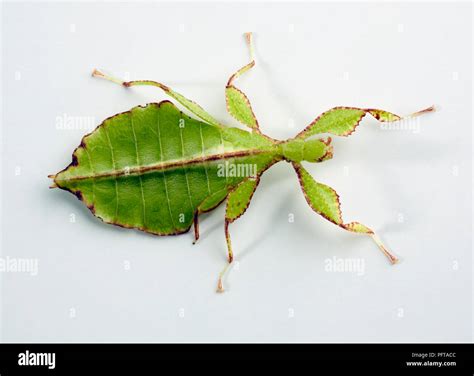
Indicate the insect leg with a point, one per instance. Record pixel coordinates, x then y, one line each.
193 107
245 68
230 257
196 227
325 201
238 201
342 121
238 105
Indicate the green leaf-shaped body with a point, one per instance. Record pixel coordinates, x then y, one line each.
153 167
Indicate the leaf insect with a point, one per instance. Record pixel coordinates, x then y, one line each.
156 169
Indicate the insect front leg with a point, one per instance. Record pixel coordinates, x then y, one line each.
325 201
343 121
238 201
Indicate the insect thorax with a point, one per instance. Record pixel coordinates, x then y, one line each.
314 150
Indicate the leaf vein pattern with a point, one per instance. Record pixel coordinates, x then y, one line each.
93 172
202 153
223 151
164 174
113 166
138 164
185 169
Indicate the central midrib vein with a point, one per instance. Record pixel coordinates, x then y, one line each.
168 165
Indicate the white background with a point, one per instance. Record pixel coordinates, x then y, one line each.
413 188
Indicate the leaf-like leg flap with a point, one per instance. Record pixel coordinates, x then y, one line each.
190 105
325 201
238 201
238 105
342 121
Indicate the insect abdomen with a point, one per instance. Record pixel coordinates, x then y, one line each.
151 168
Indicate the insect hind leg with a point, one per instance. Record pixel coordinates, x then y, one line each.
190 105
196 227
